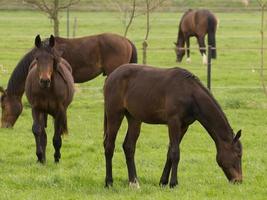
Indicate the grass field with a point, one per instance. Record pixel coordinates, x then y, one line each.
80 174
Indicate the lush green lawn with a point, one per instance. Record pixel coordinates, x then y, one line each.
81 172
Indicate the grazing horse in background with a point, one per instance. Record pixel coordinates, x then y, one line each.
49 89
174 97
88 56
196 23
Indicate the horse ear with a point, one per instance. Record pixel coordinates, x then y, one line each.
38 41
52 41
237 136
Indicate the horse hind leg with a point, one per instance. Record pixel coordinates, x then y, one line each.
202 49
113 123
129 145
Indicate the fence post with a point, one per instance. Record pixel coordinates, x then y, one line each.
209 68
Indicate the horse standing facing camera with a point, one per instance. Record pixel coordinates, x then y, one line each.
49 89
196 23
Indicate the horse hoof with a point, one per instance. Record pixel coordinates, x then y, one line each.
134 185
188 60
173 184
41 161
163 183
108 185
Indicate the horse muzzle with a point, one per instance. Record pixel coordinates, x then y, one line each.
45 83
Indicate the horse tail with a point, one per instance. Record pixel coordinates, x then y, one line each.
134 58
212 25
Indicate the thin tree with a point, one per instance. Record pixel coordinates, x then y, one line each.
150 6
263 5
52 8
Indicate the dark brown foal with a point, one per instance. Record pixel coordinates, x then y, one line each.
174 97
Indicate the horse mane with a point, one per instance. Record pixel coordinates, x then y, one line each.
186 12
188 75
20 73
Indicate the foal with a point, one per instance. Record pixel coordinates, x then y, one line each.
196 23
174 97
49 89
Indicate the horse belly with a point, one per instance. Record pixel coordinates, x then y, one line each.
148 110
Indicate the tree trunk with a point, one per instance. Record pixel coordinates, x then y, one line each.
55 18
56 26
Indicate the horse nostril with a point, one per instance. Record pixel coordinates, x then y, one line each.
45 82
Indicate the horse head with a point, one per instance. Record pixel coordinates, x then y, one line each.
46 59
229 159
11 109
180 52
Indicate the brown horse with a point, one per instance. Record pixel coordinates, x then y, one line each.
174 97
196 23
49 89
88 56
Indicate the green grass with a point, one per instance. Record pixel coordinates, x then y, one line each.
81 172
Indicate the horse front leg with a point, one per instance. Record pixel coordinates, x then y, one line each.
188 59
168 164
174 128
129 145
38 129
167 169
202 49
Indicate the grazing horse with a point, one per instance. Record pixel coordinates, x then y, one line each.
174 97
49 89
88 56
196 23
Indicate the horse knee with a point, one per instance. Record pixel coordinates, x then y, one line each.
36 129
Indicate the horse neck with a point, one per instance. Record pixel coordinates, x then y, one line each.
16 83
212 118
180 38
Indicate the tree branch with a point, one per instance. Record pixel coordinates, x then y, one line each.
131 18
71 3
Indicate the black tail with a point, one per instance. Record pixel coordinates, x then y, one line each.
212 24
134 58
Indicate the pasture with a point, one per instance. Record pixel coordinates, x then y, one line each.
80 174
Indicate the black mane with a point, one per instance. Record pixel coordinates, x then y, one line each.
20 73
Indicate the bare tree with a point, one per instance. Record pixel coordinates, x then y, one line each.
52 8
150 6
263 5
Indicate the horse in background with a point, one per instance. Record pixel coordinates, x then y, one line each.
196 23
49 89
174 97
88 57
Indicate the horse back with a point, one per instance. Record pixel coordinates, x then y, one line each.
149 94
